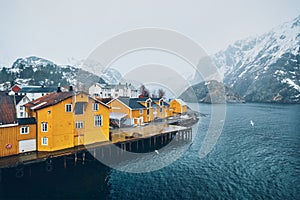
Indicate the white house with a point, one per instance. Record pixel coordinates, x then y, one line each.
20 101
113 91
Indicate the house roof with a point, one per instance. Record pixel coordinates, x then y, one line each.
104 100
99 101
157 100
7 109
131 102
118 116
15 88
135 103
24 121
19 98
182 103
48 100
37 89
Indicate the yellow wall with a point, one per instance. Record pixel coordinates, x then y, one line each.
30 135
176 107
119 107
62 132
60 127
89 133
8 135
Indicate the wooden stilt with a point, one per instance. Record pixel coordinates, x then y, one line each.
75 158
94 154
83 157
65 162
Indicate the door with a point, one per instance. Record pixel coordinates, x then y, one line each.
27 145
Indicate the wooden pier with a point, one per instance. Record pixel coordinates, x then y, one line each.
136 140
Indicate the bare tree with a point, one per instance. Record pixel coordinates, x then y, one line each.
161 93
154 94
144 91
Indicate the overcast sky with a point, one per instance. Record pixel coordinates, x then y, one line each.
60 30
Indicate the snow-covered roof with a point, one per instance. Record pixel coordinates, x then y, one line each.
181 102
118 116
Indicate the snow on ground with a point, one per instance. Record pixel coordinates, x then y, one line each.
291 83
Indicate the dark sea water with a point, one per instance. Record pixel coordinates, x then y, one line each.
248 162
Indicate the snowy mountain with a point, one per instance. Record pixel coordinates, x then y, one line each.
38 71
264 68
110 76
211 92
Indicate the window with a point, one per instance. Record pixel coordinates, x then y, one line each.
79 108
21 107
68 107
24 130
160 110
116 95
45 141
148 104
21 114
79 124
161 103
24 100
141 111
148 111
98 120
95 106
44 126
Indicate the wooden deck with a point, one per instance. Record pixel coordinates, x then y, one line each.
120 137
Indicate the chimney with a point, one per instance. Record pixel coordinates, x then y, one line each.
70 88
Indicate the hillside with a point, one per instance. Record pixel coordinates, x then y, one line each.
265 68
38 71
211 92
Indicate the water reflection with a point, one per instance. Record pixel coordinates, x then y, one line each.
48 181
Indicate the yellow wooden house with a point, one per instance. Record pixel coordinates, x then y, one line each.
136 110
66 119
91 120
177 106
162 108
16 135
55 120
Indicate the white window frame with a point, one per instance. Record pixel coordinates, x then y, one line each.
79 124
141 111
95 106
98 120
68 108
24 130
21 108
45 141
44 126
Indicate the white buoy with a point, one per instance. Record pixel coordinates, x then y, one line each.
156 151
252 123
